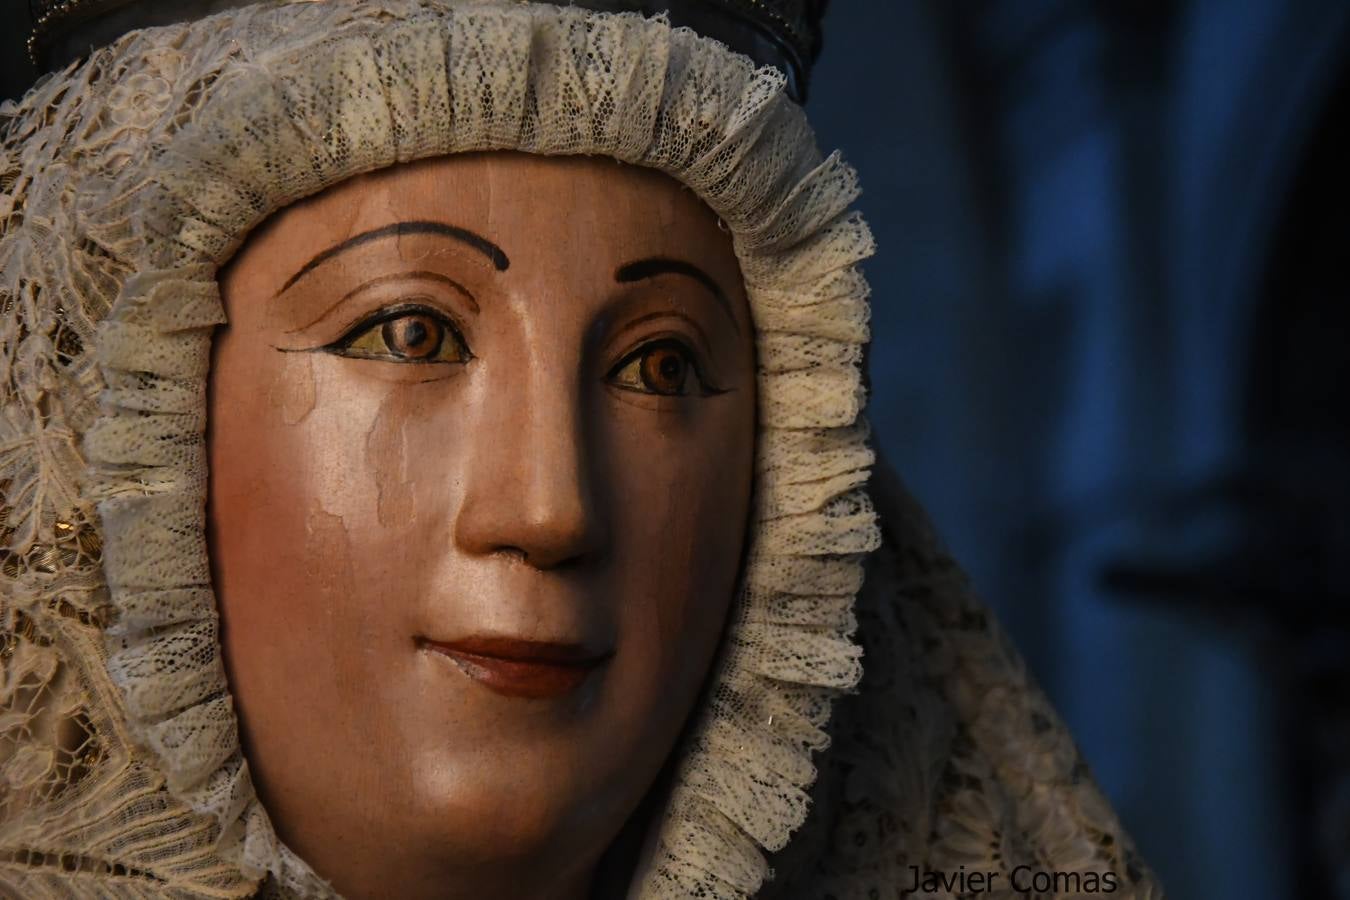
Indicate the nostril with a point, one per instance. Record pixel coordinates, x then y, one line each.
513 553
554 551
541 545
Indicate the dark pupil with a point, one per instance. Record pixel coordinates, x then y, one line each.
663 371
409 336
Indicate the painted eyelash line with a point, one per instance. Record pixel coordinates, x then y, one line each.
708 389
387 313
405 298
379 317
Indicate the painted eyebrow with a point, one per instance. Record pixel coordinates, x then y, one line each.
642 269
398 229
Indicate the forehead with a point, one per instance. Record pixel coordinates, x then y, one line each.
534 208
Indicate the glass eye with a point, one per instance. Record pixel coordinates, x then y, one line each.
414 335
661 368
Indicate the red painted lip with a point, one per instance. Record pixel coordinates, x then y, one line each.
520 668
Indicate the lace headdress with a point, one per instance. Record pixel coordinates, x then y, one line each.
129 178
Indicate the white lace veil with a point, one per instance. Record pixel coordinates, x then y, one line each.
128 179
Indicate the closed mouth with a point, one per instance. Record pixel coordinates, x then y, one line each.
521 668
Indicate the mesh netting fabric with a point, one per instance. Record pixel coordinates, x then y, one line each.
128 179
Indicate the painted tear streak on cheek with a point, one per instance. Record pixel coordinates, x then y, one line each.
333 608
329 563
295 394
387 461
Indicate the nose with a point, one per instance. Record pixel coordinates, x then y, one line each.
529 490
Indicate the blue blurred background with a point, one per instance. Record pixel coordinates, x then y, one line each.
1110 356
1110 332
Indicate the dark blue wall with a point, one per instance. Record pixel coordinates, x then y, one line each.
1075 205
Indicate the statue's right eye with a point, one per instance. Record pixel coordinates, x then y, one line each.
407 333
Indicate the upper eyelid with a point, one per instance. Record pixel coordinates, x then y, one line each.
419 275
658 267
398 230
657 340
383 280
699 338
650 343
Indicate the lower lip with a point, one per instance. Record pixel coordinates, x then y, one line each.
520 677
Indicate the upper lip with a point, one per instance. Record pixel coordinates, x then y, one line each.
520 650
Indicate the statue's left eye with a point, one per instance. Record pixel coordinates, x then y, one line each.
412 334
663 367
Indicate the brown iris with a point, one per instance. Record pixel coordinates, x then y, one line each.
663 367
410 335
664 370
414 336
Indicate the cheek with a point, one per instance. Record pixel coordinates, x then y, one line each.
682 487
281 479
307 468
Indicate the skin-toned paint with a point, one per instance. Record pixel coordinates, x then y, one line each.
491 405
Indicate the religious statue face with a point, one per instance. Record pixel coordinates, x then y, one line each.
481 445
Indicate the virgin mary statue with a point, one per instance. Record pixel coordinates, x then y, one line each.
432 465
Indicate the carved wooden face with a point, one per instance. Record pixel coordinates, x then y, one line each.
481 445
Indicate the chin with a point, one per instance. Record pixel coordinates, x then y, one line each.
521 808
